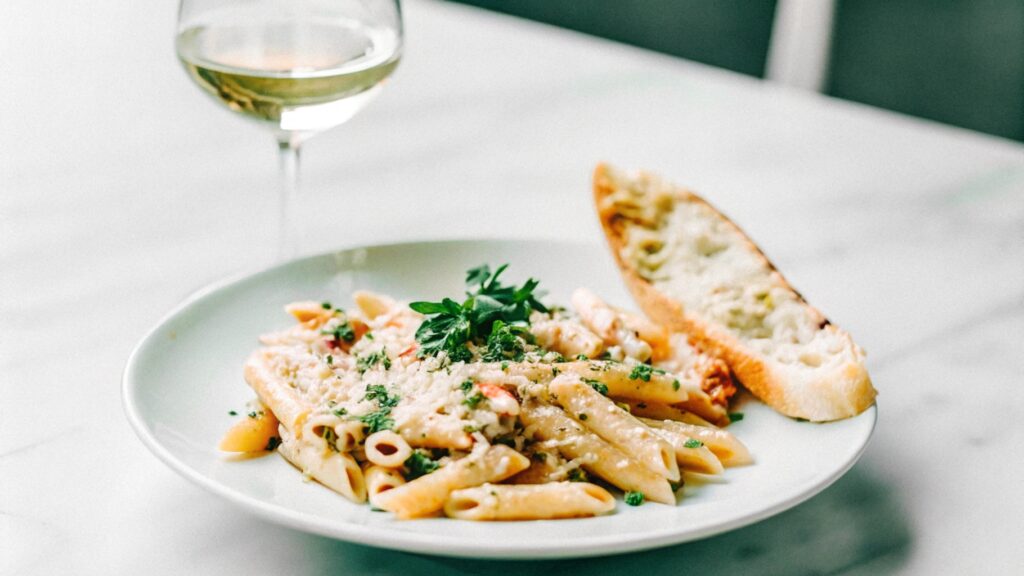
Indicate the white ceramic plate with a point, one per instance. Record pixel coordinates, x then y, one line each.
186 375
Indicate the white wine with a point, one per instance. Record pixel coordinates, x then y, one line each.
299 76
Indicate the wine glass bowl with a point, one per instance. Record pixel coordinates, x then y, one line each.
298 67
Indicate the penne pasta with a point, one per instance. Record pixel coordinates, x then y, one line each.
615 425
723 444
427 494
273 393
337 471
598 456
495 407
252 433
529 501
379 480
385 448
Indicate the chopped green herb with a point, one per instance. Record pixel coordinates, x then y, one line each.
466 386
330 359
641 372
505 343
340 412
418 464
450 327
583 416
504 366
343 331
597 385
508 440
582 357
735 416
379 419
474 400
367 361
368 336
272 444
232 413
469 429
675 384
255 414
578 475
540 456
675 486
326 305
692 443
634 498
554 371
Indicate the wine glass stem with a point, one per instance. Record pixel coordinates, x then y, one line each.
288 156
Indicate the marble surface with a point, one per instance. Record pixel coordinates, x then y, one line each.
122 190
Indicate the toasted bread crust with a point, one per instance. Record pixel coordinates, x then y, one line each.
839 394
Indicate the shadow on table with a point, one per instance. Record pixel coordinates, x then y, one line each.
856 525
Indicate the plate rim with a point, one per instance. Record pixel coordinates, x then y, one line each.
407 541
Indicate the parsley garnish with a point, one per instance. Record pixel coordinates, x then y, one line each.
577 475
735 416
597 385
506 342
325 305
466 386
232 413
341 332
330 359
450 326
367 361
474 400
641 372
582 357
379 419
340 412
675 384
644 371
692 443
418 464
634 498
272 444
583 417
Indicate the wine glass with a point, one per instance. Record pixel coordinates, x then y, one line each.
297 67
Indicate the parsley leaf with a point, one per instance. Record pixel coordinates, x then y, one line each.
735 416
634 498
577 475
367 361
692 443
418 464
450 327
343 331
379 419
597 385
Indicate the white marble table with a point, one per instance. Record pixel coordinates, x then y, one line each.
122 190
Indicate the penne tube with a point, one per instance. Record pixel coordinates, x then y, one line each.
379 480
608 323
339 472
723 444
349 435
385 448
426 495
274 393
251 433
659 411
598 456
529 501
615 425
310 314
371 304
615 375
543 464
567 337
431 430
691 454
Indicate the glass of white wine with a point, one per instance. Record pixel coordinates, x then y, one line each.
298 67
